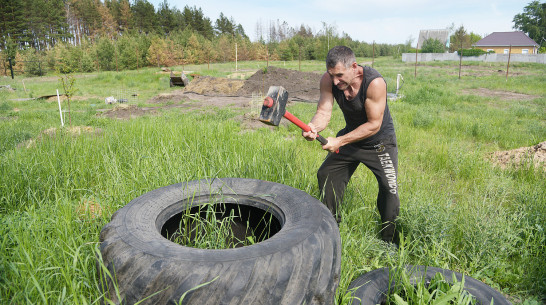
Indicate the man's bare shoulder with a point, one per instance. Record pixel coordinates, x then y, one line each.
377 90
378 84
326 81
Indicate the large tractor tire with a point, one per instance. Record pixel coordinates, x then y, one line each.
299 263
373 287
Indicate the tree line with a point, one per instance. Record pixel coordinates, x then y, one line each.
96 35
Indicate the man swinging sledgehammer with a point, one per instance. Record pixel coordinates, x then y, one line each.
368 137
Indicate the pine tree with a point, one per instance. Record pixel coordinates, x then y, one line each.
108 25
84 17
11 22
157 52
57 25
145 19
105 54
223 25
166 18
194 17
125 15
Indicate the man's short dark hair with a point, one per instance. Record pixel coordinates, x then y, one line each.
340 54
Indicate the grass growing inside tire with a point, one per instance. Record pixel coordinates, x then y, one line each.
437 291
219 225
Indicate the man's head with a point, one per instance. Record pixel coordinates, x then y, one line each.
342 67
340 54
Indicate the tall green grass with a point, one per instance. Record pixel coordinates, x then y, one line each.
458 210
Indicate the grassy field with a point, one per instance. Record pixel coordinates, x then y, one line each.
458 210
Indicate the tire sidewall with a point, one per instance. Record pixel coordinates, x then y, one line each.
372 288
300 263
139 223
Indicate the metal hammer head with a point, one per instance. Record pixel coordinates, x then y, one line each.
274 105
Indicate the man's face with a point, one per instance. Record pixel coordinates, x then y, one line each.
342 77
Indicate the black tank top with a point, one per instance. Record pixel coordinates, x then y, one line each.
355 113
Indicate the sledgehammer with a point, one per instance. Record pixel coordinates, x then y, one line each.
274 108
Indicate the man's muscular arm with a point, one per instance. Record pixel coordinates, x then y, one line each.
376 101
324 108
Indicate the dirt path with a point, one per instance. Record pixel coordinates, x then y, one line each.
504 95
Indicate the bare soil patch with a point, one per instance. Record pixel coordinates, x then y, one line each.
520 156
126 111
52 133
301 86
207 91
472 71
504 95
63 98
214 86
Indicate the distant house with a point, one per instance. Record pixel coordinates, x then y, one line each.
441 35
500 42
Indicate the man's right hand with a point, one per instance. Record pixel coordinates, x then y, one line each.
310 135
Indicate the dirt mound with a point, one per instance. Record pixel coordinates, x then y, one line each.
302 86
174 96
125 111
214 86
207 91
225 92
517 157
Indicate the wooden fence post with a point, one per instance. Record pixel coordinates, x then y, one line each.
508 66
416 51
460 58
10 67
373 52
299 58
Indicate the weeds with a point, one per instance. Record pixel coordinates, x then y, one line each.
220 225
458 211
436 292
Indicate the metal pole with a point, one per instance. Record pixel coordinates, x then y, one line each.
60 109
299 58
416 50
11 67
460 58
116 52
373 52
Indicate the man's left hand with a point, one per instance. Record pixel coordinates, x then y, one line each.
333 144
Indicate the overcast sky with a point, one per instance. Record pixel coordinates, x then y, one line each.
382 21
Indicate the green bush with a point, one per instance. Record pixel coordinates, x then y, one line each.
127 49
433 46
105 54
68 58
33 65
473 52
87 64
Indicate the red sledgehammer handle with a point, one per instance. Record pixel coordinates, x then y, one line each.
268 102
303 126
